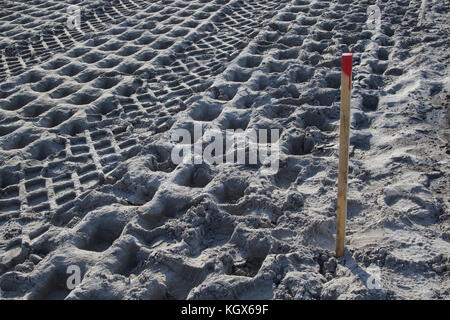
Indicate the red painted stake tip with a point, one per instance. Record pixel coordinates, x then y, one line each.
347 62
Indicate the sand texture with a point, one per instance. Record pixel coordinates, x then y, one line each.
87 178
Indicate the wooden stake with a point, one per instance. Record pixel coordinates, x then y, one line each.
344 139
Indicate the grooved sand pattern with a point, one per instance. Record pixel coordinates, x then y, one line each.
86 177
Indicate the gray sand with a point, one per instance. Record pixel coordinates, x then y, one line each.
87 180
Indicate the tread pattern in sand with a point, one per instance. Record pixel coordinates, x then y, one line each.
86 176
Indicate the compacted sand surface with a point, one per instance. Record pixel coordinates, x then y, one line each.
88 183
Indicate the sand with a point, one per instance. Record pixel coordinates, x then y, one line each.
87 182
